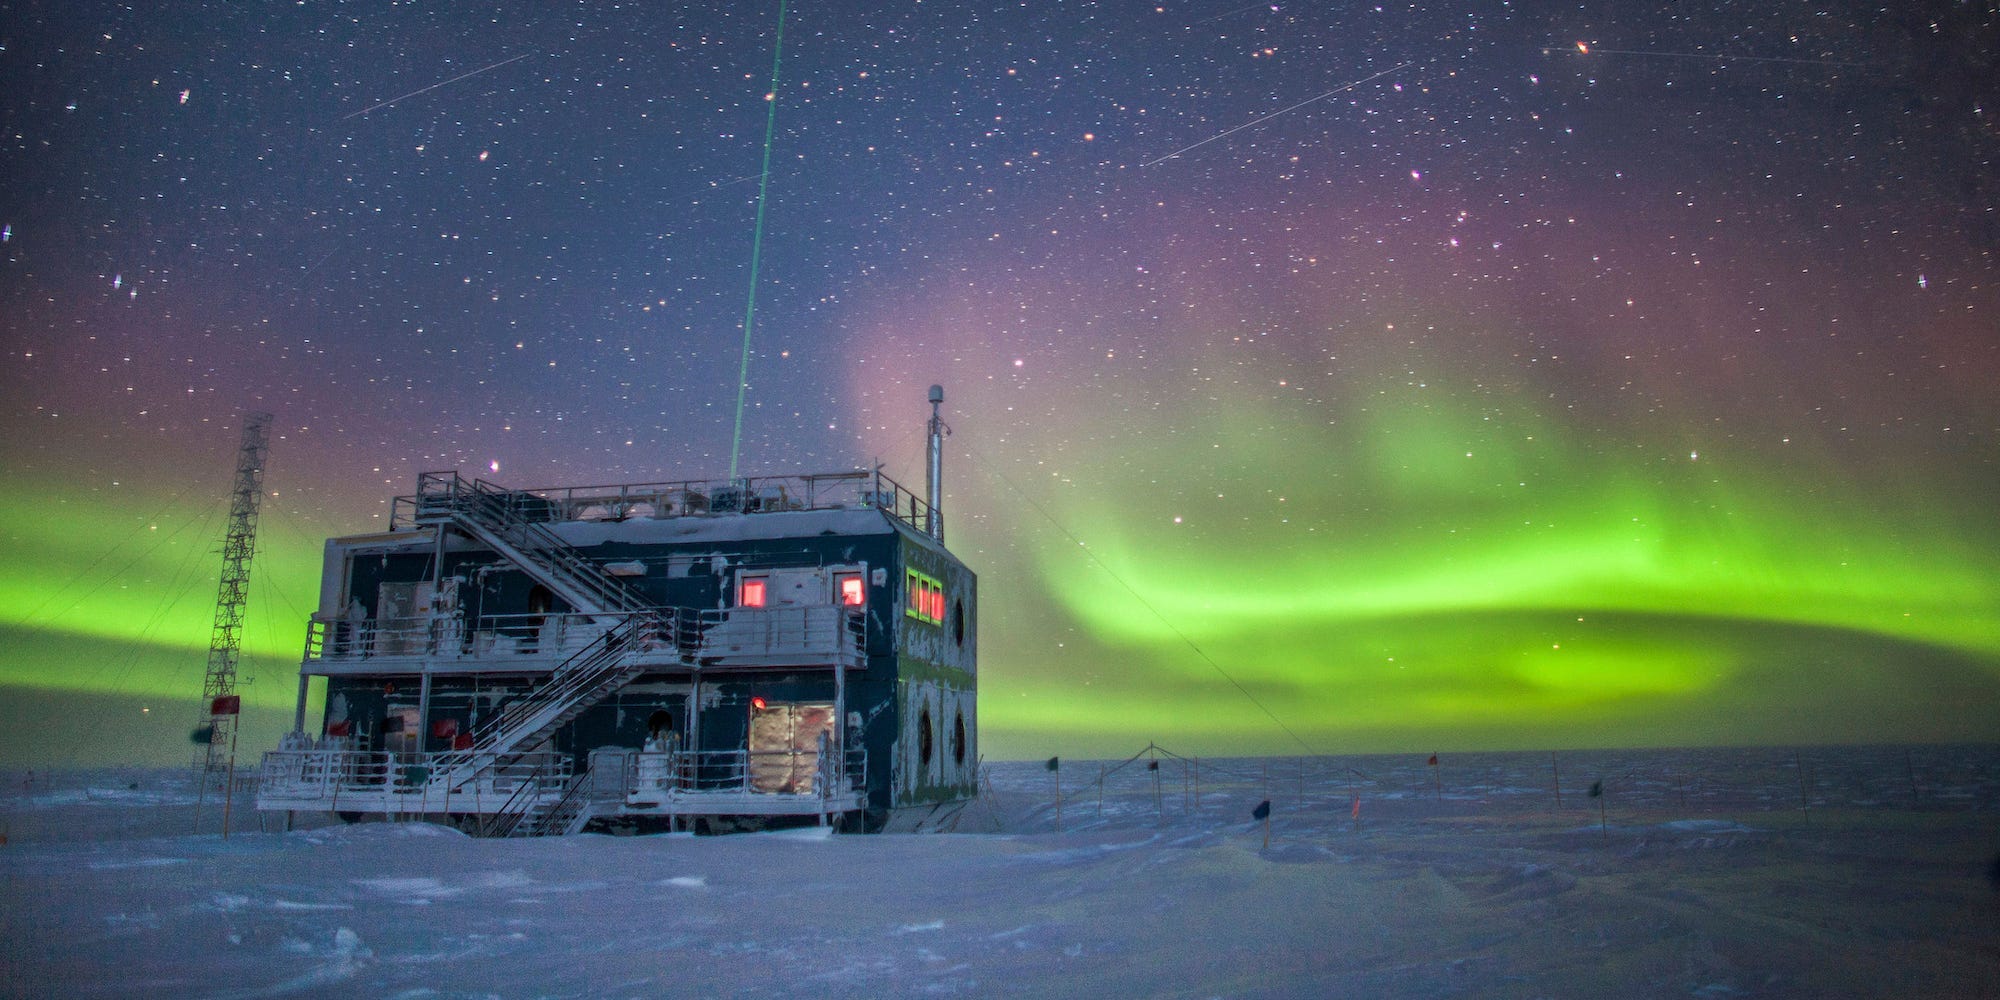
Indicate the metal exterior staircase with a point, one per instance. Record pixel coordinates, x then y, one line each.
498 518
591 675
557 817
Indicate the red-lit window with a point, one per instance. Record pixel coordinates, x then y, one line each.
852 594
925 598
754 593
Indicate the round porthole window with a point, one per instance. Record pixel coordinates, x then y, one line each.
958 621
958 739
925 741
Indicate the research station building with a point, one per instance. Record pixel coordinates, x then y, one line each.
650 656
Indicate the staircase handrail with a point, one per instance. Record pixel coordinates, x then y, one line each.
544 818
501 507
502 822
476 503
588 665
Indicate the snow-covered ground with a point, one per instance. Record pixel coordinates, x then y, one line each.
1828 872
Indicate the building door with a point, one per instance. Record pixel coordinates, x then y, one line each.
785 739
402 618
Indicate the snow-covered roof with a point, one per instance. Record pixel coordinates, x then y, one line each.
718 528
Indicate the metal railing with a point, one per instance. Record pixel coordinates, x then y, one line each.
420 635
685 498
813 633
324 776
541 790
767 772
504 636
516 520
562 815
593 670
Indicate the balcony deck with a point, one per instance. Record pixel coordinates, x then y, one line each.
801 637
619 783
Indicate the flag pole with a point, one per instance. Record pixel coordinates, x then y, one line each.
1159 805
229 783
1355 791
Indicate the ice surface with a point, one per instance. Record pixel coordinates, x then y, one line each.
1858 872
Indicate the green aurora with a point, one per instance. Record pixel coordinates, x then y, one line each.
126 608
1436 575
1421 572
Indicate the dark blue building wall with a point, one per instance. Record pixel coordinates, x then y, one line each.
686 575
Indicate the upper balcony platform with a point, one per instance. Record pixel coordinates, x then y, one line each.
801 637
856 490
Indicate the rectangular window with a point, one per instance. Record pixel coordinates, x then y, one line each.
755 593
925 598
852 594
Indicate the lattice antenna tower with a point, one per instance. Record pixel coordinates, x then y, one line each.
225 639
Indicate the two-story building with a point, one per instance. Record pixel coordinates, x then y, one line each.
714 655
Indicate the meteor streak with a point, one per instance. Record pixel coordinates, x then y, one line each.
1585 50
434 86
1280 111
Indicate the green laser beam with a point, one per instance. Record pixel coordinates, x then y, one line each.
757 239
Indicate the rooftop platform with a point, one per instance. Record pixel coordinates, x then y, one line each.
828 491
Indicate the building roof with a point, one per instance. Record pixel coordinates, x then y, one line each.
726 528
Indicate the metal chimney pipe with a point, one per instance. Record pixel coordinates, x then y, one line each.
934 477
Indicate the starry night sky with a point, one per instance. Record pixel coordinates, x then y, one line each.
1337 377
